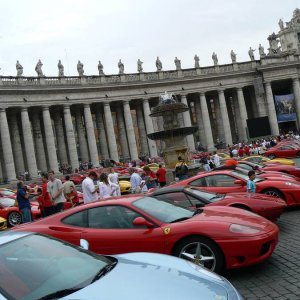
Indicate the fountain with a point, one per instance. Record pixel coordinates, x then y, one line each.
173 136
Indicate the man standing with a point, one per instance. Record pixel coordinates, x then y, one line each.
135 181
216 159
181 169
47 203
89 189
23 202
161 175
55 189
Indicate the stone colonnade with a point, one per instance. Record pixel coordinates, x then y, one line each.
41 137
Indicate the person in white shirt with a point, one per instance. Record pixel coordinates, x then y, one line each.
106 188
89 190
216 159
113 177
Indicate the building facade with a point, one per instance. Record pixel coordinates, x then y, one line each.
47 121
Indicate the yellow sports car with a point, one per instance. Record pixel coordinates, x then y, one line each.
3 224
153 167
125 186
261 159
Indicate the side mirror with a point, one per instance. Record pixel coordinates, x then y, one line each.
84 244
240 182
140 221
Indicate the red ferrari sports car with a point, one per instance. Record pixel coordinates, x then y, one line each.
190 197
217 237
291 170
286 150
76 178
230 181
12 213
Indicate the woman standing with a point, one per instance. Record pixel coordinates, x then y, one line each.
106 188
113 177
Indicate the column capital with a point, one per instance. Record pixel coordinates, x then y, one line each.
295 79
268 82
239 88
145 100
220 91
24 108
201 94
45 108
125 102
66 106
86 105
106 104
2 109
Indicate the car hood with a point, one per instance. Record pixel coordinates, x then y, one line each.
232 215
149 276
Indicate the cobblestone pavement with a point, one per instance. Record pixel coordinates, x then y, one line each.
279 276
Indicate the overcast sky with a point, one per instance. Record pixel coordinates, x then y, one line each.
109 30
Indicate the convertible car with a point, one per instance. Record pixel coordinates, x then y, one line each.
190 197
258 159
67 272
291 170
216 237
230 181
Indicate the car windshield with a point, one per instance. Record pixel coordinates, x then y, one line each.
7 193
40 267
245 177
163 210
211 197
7 202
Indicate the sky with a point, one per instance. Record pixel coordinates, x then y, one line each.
109 30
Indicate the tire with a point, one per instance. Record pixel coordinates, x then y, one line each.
209 254
273 192
14 218
272 156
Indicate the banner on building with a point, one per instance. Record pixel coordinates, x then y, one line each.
285 108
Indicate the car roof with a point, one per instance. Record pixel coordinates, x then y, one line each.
8 236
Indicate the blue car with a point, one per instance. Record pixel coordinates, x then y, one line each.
35 266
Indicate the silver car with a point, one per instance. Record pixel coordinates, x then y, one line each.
34 266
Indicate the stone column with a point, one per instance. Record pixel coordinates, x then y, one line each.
102 134
296 89
206 122
60 137
16 144
122 133
130 131
6 147
271 109
225 119
112 144
28 141
142 130
90 130
70 138
39 143
149 128
201 132
50 142
243 113
83 147
188 123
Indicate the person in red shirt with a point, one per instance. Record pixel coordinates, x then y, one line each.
161 176
247 150
40 200
47 203
241 152
73 197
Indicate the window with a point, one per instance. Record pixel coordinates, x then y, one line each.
245 166
177 198
199 182
220 180
79 219
113 216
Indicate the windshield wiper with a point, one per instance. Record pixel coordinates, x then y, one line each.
59 294
104 271
180 219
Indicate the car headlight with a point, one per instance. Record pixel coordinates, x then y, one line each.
237 228
292 184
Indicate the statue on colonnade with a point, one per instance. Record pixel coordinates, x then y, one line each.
139 66
215 58
177 63
38 69
233 56
121 67
251 53
60 69
261 51
158 64
100 68
197 61
19 68
80 68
